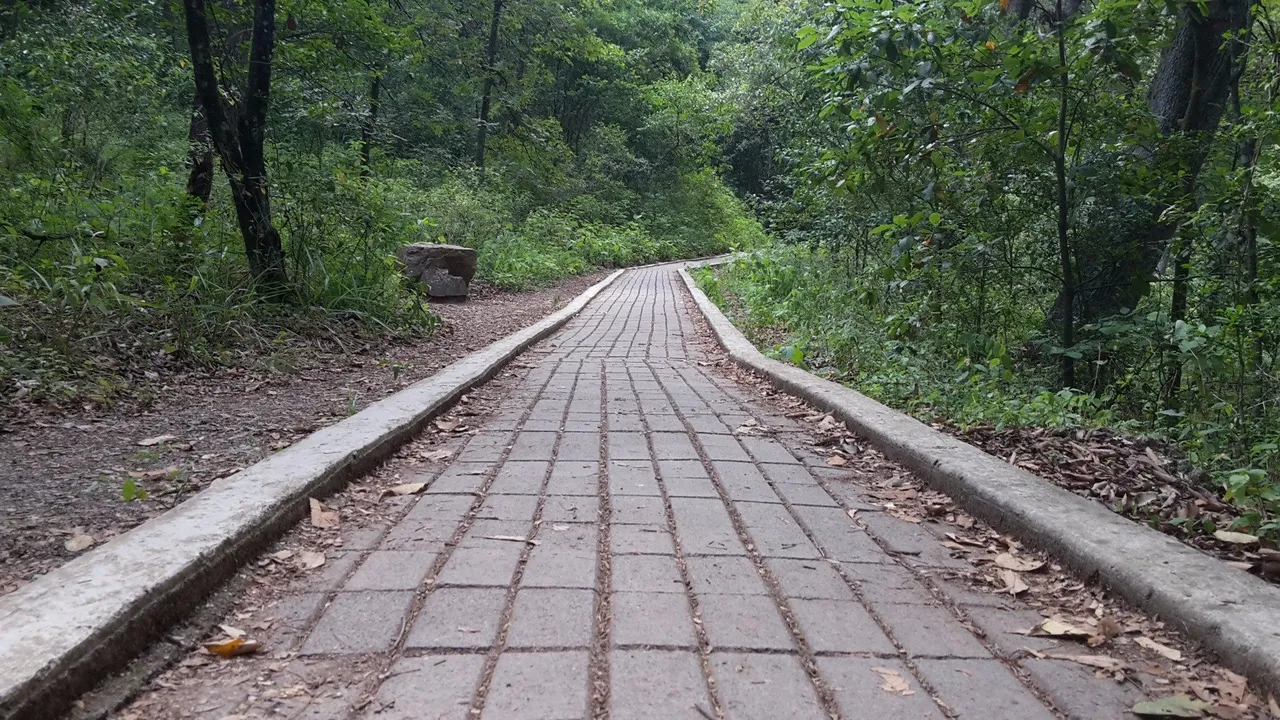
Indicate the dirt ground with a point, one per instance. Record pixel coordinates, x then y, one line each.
68 477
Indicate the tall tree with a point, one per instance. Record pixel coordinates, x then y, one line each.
486 94
1187 97
239 133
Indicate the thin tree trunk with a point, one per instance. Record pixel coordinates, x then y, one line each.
491 61
199 156
1068 296
370 124
240 142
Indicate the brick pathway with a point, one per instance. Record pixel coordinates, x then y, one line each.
672 568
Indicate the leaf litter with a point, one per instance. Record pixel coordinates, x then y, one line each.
1105 629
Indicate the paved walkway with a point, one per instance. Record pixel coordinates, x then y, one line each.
673 569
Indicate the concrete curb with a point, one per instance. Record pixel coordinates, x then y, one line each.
1231 612
64 632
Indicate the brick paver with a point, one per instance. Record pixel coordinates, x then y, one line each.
613 544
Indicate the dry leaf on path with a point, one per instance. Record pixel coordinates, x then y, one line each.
511 538
1156 647
322 518
1017 564
1107 629
282 555
893 681
1098 661
439 455
1013 583
231 631
1173 706
837 461
447 425
148 442
1235 538
405 489
1053 627
79 543
233 647
310 559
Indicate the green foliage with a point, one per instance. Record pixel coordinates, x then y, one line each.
604 123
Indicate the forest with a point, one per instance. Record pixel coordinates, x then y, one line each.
987 213
194 183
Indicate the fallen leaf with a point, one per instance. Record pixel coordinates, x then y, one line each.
447 425
1273 706
893 681
233 647
852 513
439 455
1059 629
1175 706
310 559
282 555
1017 564
511 538
79 543
148 442
1013 583
231 631
1098 661
837 461
322 518
1156 647
1235 538
1107 629
405 489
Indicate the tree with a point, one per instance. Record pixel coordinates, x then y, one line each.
1187 98
486 94
239 132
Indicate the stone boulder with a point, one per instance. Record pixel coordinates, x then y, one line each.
445 270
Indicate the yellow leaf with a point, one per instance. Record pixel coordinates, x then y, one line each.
1056 628
233 647
990 45
1235 538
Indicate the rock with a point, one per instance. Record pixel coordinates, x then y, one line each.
446 270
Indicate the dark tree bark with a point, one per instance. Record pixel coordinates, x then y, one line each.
199 156
1064 239
486 95
1188 97
370 124
239 138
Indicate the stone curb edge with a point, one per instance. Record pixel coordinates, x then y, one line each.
1230 612
69 629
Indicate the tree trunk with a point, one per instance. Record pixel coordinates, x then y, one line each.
1068 296
1188 96
239 141
370 124
491 61
199 156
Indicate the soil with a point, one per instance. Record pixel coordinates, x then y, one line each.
68 474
